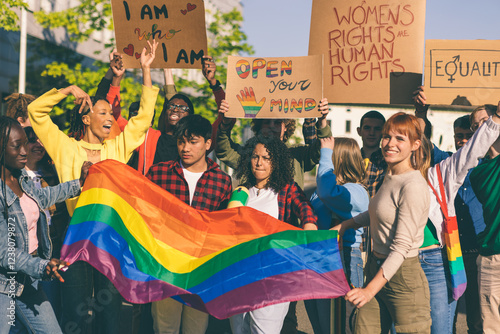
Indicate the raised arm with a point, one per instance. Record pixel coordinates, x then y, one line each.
226 150
54 140
309 154
169 88
341 199
209 72
454 169
421 108
146 61
113 96
134 133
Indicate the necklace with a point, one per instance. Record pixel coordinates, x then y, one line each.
258 190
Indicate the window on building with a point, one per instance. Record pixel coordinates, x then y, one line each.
348 126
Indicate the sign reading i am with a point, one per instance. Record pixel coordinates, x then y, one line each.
177 25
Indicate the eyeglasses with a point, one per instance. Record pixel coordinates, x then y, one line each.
180 108
476 126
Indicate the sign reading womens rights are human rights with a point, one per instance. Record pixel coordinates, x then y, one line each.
465 72
177 25
373 49
286 87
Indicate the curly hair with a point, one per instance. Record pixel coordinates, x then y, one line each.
282 169
17 105
290 126
77 128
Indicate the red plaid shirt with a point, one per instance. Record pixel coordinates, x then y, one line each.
293 204
213 189
375 171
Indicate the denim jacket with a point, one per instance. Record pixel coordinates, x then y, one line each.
17 266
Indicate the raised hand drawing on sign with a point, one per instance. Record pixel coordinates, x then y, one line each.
249 102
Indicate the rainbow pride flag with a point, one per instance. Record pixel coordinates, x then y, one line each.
152 246
458 277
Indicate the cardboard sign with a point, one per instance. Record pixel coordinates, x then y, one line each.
462 72
274 87
177 25
373 49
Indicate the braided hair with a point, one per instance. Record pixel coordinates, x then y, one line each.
17 105
6 124
76 127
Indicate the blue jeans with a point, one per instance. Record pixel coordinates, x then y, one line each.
318 310
31 312
443 306
81 279
52 290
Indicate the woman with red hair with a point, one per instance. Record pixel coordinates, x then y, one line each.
396 288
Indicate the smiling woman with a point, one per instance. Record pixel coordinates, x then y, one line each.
92 121
397 215
25 247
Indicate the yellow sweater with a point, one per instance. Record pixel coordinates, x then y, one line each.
69 154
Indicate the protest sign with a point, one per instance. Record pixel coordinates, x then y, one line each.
373 49
178 26
287 87
462 72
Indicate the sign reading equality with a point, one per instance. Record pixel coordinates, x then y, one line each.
286 87
178 26
462 72
373 49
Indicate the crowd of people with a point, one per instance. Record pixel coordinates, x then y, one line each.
393 201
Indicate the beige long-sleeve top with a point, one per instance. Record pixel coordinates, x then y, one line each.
397 215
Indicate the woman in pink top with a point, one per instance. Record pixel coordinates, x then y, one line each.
396 289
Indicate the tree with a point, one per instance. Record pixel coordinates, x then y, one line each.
224 38
80 21
8 17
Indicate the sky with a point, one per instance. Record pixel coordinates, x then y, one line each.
280 28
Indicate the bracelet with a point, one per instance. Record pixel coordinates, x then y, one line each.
216 86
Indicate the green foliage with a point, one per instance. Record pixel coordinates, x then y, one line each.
8 18
224 38
80 21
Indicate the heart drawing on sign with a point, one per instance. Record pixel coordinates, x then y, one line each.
129 50
190 7
183 11
137 55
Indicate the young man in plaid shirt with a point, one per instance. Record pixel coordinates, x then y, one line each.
370 131
199 182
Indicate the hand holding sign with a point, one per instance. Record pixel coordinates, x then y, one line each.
249 102
116 64
209 69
